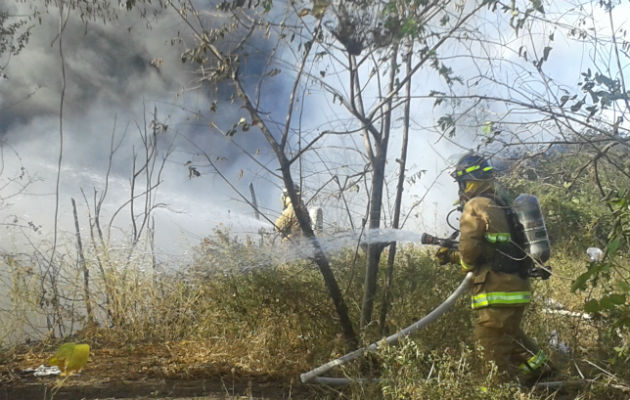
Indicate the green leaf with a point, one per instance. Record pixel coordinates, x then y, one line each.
591 110
319 8
445 122
580 282
613 246
436 93
274 72
487 128
622 286
609 302
592 306
602 79
538 6
390 8
575 107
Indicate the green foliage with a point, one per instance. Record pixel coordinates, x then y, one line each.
603 91
570 201
402 20
447 125
588 207
610 278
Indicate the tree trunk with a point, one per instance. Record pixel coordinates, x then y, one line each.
374 250
319 257
397 204
301 213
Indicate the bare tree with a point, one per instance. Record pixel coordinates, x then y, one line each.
400 186
351 38
225 66
146 170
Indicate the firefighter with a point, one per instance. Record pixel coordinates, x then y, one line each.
287 223
488 247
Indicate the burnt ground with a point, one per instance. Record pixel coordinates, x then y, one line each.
154 372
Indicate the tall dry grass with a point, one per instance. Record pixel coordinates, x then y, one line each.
237 307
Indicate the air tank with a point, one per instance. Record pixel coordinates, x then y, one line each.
317 219
528 212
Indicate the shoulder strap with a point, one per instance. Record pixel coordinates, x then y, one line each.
515 226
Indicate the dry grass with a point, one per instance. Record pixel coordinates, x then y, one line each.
276 321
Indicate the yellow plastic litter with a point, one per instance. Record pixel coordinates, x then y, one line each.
70 357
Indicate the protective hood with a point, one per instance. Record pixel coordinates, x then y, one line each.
474 189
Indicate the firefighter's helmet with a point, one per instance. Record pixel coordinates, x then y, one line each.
473 167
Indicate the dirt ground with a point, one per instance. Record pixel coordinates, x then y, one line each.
164 372
149 373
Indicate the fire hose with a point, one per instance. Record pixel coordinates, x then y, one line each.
314 376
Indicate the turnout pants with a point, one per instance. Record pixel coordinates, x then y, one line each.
498 331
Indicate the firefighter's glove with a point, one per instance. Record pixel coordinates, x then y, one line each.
542 273
444 255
